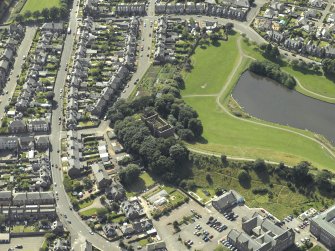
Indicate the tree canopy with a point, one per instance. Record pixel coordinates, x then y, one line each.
270 70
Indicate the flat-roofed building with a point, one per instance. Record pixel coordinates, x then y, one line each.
323 227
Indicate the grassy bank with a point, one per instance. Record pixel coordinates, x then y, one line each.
280 199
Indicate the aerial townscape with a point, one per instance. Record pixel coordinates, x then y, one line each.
167 125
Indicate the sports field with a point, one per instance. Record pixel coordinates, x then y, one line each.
33 5
224 133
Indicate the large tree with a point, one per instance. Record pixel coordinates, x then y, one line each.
129 174
45 13
36 14
54 13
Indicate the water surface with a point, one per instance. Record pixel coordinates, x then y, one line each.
266 99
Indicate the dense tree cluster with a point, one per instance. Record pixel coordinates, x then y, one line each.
328 66
167 103
129 174
306 181
270 51
163 157
270 70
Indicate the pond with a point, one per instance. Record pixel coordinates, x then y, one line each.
266 99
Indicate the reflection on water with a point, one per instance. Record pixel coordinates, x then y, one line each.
267 100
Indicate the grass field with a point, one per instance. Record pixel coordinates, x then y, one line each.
34 5
233 136
139 186
311 81
89 212
317 248
23 229
283 202
206 79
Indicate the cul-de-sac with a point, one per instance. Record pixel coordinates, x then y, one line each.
167 125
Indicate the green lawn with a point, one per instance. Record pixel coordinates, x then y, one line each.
148 181
233 136
229 135
141 184
89 212
34 5
211 68
310 81
22 228
85 204
284 200
317 248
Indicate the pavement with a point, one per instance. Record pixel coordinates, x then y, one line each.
165 228
28 243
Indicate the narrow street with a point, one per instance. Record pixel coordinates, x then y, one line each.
22 53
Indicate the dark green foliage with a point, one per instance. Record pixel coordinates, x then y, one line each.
328 67
129 174
163 157
270 70
270 51
244 176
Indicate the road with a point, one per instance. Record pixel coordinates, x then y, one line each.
143 61
22 52
78 228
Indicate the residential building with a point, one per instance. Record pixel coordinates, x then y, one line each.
9 143
101 176
38 126
33 198
116 192
227 201
17 126
323 227
42 142
109 230
132 209
5 198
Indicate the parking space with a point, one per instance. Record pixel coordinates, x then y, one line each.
28 243
199 233
301 230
